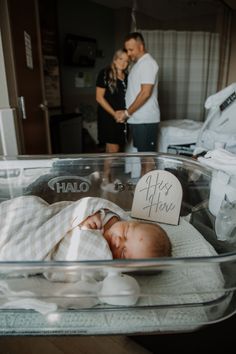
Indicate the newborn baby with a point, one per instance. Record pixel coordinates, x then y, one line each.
31 229
129 239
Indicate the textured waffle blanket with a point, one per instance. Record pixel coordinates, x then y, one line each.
31 229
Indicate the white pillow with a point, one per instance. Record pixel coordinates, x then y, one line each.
186 282
187 241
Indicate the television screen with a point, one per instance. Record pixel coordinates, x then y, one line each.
80 51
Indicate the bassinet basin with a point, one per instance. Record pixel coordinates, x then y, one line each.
192 288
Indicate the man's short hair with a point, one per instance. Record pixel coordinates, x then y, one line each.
136 36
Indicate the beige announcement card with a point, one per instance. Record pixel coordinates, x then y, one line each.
158 197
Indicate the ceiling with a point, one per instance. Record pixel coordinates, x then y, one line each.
231 3
170 8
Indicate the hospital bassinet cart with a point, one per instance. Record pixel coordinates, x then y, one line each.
193 288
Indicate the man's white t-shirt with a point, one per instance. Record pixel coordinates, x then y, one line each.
144 71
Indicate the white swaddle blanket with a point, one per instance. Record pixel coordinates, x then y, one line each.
31 229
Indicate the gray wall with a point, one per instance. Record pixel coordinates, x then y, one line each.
86 19
109 27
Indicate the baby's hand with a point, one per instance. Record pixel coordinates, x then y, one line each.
93 222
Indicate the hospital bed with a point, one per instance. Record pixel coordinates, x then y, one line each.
187 137
178 136
193 288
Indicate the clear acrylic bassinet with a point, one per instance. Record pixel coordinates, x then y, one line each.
193 288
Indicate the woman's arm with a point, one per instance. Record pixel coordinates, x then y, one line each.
100 93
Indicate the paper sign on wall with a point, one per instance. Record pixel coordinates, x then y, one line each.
28 51
158 197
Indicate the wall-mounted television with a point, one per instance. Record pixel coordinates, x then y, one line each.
79 51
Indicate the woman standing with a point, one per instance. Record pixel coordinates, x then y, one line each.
110 95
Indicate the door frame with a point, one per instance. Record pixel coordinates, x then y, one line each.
8 53
10 70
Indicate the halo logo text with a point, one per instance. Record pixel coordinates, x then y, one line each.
69 184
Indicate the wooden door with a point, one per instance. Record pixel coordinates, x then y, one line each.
29 96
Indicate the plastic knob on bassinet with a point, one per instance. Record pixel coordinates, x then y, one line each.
119 289
225 223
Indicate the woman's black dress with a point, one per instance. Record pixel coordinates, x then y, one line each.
109 131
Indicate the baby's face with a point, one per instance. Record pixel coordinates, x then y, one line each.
129 239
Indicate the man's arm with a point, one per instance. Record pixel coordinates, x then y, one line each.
141 98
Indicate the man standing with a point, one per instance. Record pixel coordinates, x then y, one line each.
142 113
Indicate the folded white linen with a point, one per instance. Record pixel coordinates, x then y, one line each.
177 132
220 159
216 99
210 139
41 295
222 155
13 295
45 297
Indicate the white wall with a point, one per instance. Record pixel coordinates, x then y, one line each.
84 18
4 102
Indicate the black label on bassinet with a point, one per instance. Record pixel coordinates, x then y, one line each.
158 197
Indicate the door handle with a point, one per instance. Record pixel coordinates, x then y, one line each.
21 101
43 107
